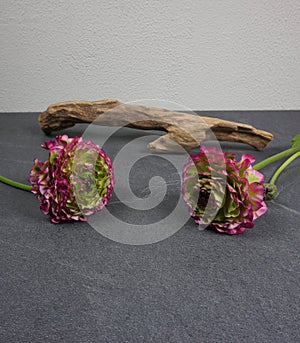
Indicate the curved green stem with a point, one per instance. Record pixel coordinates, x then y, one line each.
15 184
283 166
275 158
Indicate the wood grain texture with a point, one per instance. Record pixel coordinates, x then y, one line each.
186 129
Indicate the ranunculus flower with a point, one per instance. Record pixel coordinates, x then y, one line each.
234 190
75 181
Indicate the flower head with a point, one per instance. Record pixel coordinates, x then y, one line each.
233 189
75 181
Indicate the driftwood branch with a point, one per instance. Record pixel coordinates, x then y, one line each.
186 129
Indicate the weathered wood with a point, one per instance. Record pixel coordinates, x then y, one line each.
186 129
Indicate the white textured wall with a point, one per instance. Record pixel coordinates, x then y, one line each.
209 54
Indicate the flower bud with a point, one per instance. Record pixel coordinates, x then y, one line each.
270 191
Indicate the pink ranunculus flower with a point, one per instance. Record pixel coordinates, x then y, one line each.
75 181
236 190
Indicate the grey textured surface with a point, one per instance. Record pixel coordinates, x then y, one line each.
67 283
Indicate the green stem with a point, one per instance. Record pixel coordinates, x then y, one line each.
15 184
275 158
283 166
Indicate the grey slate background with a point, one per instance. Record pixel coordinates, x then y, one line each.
67 283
